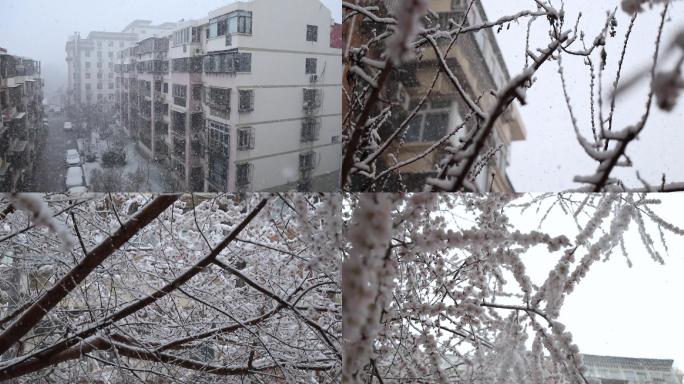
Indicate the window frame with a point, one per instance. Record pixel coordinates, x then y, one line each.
241 106
245 138
312 33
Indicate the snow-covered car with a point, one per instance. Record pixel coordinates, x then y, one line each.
74 177
76 191
72 158
68 126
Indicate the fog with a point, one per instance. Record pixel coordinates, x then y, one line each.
39 28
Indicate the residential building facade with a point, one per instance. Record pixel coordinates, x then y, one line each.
22 132
245 99
90 63
478 64
628 370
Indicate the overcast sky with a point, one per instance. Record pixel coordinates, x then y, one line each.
617 310
551 156
39 28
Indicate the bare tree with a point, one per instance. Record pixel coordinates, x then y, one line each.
170 288
437 289
384 37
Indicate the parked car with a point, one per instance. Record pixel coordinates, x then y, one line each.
72 158
74 177
68 126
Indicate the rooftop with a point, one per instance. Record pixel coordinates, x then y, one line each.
628 362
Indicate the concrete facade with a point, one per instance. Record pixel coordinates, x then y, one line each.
245 99
90 62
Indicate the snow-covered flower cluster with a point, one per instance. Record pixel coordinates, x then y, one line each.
41 215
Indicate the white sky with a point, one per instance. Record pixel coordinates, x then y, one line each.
617 310
39 28
550 157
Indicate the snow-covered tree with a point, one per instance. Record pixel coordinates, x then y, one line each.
389 35
124 288
437 287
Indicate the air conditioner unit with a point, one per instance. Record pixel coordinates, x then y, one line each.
313 78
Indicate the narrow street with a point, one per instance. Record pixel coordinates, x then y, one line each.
50 172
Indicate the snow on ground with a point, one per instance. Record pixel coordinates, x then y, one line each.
155 180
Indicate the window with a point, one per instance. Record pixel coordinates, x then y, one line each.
219 137
87 53
87 86
111 75
87 75
430 124
180 94
99 54
218 100
310 130
312 98
311 33
307 160
99 85
111 43
121 44
181 37
218 97
243 175
234 22
111 85
246 100
228 63
99 65
166 87
111 55
87 64
99 75
310 66
245 137
243 62
335 139
99 44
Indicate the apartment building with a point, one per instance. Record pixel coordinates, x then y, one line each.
628 370
245 99
90 63
478 64
22 133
